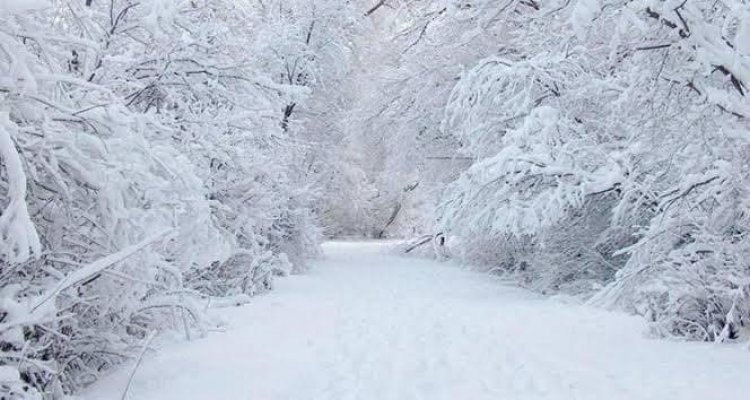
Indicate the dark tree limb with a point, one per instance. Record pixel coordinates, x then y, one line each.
421 241
288 110
374 8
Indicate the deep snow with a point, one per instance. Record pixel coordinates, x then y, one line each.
365 324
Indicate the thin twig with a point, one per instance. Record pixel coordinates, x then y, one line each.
138 363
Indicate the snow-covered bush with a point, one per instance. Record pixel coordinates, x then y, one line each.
606 142
115 204
146 163
542 192
688 273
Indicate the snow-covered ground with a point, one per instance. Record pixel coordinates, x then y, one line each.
364 324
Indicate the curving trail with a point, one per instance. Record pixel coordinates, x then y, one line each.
366 325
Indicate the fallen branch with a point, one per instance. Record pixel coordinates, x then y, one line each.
421 241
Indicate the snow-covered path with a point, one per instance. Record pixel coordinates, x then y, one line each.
367 325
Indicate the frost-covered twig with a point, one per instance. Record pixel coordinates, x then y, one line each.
99 266
137 364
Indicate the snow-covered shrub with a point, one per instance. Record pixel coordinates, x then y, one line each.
688 273
542 193
144 166
604 138
186 65
101 180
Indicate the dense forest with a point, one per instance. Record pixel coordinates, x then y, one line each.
162 157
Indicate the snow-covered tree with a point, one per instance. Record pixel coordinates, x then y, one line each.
606 138
145 166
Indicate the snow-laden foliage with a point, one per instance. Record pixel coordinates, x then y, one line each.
148 162
155 155
607 144
402 89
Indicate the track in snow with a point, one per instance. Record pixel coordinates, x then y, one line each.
364 325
